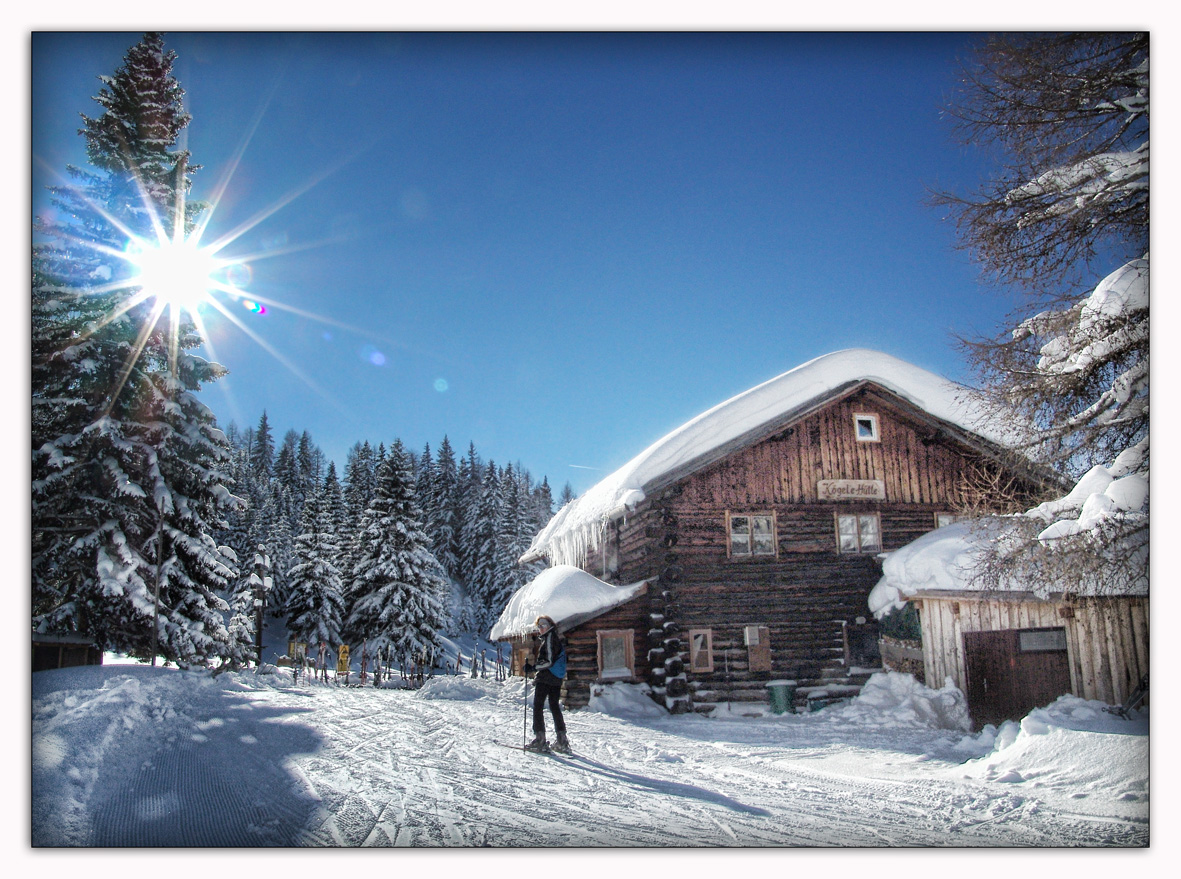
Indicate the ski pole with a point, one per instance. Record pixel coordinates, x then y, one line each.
525 715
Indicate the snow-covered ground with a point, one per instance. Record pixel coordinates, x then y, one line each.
127 755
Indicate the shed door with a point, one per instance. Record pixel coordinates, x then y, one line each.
1011 672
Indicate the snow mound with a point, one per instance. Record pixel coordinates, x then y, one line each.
576 526
940 559
1067 748
891 700
566 594
628 701
458 689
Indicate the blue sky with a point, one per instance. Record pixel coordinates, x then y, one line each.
557 246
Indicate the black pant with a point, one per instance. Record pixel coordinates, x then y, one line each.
553 693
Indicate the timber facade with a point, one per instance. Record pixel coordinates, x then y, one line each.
760 560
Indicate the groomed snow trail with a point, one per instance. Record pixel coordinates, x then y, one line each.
176 759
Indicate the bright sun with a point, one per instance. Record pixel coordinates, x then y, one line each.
176 274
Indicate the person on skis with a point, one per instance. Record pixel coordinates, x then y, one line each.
551 669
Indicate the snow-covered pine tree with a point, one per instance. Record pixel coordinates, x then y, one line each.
397 587
280 541
1066 220
334 504
484 573
445 521
310 460
287 474
262 452
129 467
423 468
508 575
315 600
543 504
359 479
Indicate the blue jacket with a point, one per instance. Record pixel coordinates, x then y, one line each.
551 657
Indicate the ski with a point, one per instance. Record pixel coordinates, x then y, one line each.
549 752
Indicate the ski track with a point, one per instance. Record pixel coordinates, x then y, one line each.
389 768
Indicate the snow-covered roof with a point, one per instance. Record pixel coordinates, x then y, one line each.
567 595
693 445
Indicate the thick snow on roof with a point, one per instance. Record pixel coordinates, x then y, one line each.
567 595
576 526
945 559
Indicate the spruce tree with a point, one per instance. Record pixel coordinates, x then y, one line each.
129 468
397 587
262 455
482 544
445 522
315 602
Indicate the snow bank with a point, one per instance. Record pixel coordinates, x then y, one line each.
457 688
628 701
890 700
576 526
567 595
1074 747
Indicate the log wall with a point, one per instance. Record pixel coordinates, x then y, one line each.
582 668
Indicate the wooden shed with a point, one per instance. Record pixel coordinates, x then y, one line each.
758 526
64 651
1012 652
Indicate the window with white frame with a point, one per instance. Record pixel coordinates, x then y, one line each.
859 532
701 650
617 657
865 427
751 535
942 519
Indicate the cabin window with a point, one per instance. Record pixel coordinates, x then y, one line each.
942 519
859 532
751 535
617 655
701 650
865 428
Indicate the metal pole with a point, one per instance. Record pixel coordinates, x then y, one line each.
525 720
156 599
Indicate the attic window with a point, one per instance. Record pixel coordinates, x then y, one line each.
865 428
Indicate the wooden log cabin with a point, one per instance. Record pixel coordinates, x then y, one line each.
757 528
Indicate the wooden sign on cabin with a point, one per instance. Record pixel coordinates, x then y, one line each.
851 490
758 647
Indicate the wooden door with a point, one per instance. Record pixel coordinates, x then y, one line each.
1011 672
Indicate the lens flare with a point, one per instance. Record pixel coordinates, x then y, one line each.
178 274
254 307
